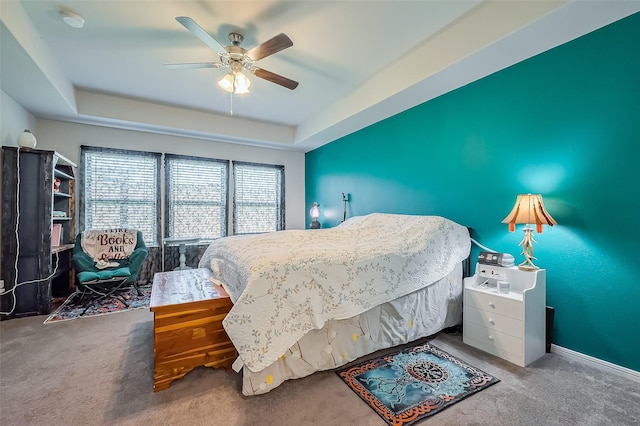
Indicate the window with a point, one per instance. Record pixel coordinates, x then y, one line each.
196 197
120 189
258 198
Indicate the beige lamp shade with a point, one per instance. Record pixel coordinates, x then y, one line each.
529 209
315 211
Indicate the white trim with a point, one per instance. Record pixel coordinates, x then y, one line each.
600 364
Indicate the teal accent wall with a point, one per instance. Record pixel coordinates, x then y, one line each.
565 124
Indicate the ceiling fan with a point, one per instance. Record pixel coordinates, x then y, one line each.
237 58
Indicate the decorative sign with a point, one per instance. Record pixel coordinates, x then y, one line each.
106 245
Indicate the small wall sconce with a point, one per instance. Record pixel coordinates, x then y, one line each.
315 214
345 200
529 209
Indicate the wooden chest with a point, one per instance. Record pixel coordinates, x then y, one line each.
188 310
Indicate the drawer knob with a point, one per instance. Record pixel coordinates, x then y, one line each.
492 304
492 322
490 337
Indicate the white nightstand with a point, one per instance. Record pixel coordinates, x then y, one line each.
509 325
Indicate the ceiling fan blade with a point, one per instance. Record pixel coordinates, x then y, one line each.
269 47
275 78
199 32
195 65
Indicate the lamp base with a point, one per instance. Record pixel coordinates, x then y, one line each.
526 267
527 250
315 224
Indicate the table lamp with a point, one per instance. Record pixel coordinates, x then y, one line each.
529 209
315 214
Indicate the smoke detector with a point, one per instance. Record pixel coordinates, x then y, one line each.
72 19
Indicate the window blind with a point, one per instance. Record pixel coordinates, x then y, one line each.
196 197
120 189
258 198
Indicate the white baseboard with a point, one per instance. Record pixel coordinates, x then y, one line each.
618 370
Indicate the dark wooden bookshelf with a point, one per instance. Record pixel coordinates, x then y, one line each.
43 272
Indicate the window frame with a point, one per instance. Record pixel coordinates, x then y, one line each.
281 223
82 191
162 185
167 191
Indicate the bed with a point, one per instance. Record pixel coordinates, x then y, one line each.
311 300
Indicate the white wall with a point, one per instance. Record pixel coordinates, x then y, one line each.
66 139
13 120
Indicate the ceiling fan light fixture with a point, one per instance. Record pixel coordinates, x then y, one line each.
226 83
242 83
235 82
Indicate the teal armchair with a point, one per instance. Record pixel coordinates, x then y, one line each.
92 278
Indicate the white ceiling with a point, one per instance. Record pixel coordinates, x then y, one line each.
357 61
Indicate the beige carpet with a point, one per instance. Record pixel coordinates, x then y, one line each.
99 371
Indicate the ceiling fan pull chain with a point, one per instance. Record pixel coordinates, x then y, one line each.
231 103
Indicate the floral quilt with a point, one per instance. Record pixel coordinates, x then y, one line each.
284 284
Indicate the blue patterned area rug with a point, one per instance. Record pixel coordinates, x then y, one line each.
73 307
405 387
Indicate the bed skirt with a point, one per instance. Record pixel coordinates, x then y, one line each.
408 318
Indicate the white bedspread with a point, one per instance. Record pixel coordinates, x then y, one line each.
406 319
284 284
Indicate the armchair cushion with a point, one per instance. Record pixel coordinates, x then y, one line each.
105 274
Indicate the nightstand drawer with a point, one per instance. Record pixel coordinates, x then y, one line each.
494 321
491 338
493 303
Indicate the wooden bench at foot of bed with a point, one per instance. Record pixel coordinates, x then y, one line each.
188 310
